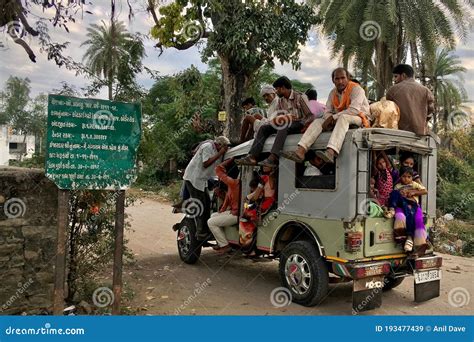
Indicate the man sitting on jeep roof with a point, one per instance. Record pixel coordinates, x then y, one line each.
347 105
292 114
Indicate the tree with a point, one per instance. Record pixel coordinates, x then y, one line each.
108 52
15 98
243 35
18 110
381 37
14 19
445 78
38 115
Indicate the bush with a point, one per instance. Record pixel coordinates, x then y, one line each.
91 240
456 199
452 168
455 173
37 162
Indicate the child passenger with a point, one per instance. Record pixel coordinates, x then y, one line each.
383 178
404 200
407 160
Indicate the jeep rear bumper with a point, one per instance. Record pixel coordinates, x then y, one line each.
369 278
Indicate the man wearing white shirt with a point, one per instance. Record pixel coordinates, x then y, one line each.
199 170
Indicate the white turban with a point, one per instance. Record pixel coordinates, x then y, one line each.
267 89
222 140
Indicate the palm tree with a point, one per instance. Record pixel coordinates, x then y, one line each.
107 47
376 35
446 80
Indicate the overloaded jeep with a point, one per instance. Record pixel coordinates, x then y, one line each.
320 229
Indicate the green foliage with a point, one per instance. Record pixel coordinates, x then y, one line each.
244 35
301 86
114 55
452 168
248 33
91 240
455 174
25 115
376 35
446 79
15 98
177 111
105 47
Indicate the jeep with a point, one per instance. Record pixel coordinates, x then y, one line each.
320 230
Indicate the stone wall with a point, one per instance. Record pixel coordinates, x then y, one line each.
28 219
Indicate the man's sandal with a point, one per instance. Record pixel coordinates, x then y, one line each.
326 157
292 156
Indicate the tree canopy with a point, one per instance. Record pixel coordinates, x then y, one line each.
377 35
243 35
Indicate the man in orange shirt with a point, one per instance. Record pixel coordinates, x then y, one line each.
346 105
228 214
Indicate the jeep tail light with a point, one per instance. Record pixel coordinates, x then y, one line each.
430 262
353 241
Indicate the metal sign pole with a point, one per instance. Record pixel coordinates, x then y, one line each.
60 269
118 251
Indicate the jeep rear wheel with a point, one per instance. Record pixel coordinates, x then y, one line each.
304 272
188 247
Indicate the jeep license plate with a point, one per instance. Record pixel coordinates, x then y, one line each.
427 276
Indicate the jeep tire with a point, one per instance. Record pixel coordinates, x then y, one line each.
304 273
189 247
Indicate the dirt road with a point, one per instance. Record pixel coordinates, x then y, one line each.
233 285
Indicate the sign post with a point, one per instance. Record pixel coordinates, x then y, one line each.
60 268
118 252
91 144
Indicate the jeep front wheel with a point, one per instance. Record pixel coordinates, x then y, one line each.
304 272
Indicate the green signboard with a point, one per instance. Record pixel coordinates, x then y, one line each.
92 144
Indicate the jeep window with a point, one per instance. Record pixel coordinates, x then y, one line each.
315 174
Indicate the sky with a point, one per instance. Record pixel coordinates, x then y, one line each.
46 75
